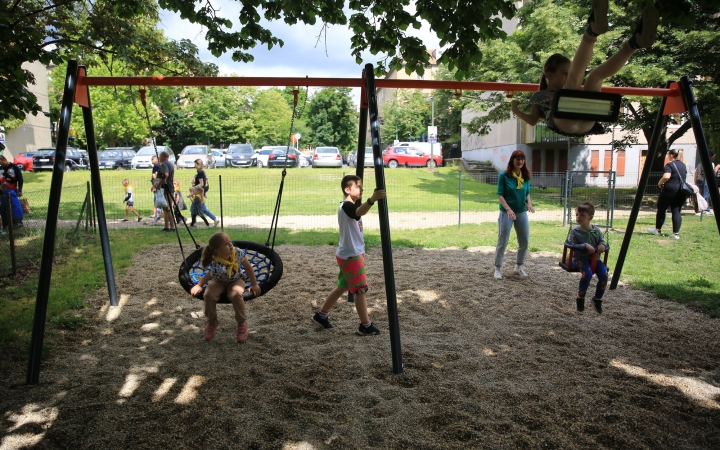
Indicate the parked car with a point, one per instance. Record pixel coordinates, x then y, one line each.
327 157
24 161
44 159
116 158
219 158
409 157
193 152
305 160
260 158
278 156
239 155
369 161
143 157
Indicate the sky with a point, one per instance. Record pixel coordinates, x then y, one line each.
302 55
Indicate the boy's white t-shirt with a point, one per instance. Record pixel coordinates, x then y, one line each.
352 241
129 190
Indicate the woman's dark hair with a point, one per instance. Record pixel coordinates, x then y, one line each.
511 165
551 65
214 243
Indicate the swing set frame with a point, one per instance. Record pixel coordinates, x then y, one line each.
677 97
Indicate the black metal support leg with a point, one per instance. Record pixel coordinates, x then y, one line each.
658 129
48 252
384 224
98 195
703 151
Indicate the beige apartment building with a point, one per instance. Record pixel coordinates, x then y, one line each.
35 132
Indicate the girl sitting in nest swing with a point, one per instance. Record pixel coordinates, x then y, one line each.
560 73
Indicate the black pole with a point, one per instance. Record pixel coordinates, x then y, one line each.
653 146
222 216
87 211
702 147
48 252
360 154
11 234
98 196
384 223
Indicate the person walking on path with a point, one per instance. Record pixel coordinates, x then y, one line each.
671 196
129 201
513 192
201 180
167 173
701 182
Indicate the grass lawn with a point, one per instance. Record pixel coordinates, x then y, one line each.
252 191
683 271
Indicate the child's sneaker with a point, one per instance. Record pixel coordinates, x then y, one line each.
242 332
653 231
597 22
498 274
580 304
674 236
125 220
210 332
598 305
367 331
217 221
520 270
325 323
139 219
646 30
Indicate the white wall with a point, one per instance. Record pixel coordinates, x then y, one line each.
34 133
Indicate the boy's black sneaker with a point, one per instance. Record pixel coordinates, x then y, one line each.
580 304
598 305
325 323
367 331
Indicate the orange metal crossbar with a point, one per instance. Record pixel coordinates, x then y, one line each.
349 82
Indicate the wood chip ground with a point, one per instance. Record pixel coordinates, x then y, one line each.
487 364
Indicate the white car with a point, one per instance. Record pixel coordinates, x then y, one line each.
261 157
193 152
143 158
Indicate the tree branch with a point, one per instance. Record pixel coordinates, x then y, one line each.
679 132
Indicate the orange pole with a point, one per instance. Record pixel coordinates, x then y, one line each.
349 82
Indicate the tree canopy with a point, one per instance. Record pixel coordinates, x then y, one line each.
682 48
332 119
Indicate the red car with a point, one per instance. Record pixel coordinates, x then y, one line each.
409 157
24 161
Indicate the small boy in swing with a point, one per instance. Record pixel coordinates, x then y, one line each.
587 242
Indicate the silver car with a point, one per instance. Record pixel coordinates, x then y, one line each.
219 158
327 157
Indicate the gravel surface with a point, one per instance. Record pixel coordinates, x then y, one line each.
487 364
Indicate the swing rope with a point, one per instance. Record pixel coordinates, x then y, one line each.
174 206
276 213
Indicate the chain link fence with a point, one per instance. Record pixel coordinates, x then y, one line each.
23 224
245 198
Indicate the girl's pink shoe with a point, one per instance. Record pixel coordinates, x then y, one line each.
210 332
242 332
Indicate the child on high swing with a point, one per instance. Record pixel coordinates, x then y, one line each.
560 73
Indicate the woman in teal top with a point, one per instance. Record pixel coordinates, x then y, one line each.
514 194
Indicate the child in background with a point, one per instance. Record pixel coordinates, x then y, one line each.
197 196
129 201
227 269
588 243
179 202
350 255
